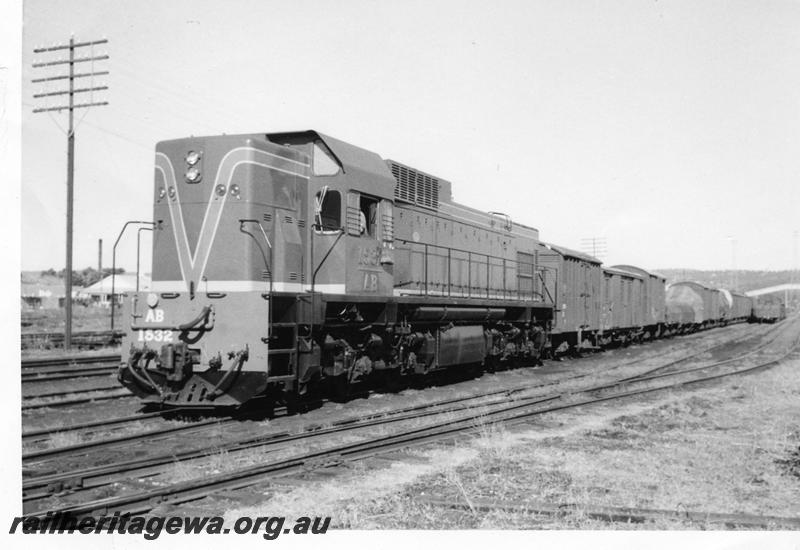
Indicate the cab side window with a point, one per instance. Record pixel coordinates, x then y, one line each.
329 207
368 217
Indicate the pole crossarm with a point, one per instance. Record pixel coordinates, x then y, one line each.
75 91
70 107
70 61
68 77
68 46
79 106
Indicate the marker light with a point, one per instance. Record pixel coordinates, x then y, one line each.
162 193
172 192
220 190
192 158
193 175
235 190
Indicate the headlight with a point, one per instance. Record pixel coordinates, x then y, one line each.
220 190
193 175
152 300
235 190
192 158
172 192
162 193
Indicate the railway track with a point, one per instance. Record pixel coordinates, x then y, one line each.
54 369
501 410
110 442
68 402
617 514
69 368
67 374
80 340
69 360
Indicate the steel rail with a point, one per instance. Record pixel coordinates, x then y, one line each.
33 377
127 438
76 401
198 488
70 392
70 360
94 424
618 514
774 333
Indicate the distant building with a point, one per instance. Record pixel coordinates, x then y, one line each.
44 295
99 293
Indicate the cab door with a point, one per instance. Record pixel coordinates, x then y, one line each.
369 259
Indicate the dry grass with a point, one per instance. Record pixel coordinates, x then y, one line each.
725 448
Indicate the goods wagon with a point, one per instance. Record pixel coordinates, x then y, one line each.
622 295
768 309
576 294
653 306
739 307
691 305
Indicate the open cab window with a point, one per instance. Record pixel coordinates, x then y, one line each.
328 210
368 217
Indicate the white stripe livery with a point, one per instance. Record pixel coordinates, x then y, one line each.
193 265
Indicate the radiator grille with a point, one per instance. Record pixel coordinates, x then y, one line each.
414 187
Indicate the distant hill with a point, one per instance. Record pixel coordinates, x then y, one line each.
746 280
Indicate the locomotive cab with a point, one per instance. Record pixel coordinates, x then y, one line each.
248 230
229 213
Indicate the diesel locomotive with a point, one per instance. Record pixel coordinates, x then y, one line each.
287 262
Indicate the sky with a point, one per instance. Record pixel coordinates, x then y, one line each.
669 129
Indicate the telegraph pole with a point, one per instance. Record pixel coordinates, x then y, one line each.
596 246
793 276
734 276
71 76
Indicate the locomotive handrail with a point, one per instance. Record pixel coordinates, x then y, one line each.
341 232
269 245
191 325
490 262
114 264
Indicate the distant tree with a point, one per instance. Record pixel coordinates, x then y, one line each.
89 275
51 272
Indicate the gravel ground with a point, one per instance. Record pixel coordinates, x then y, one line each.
731 447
